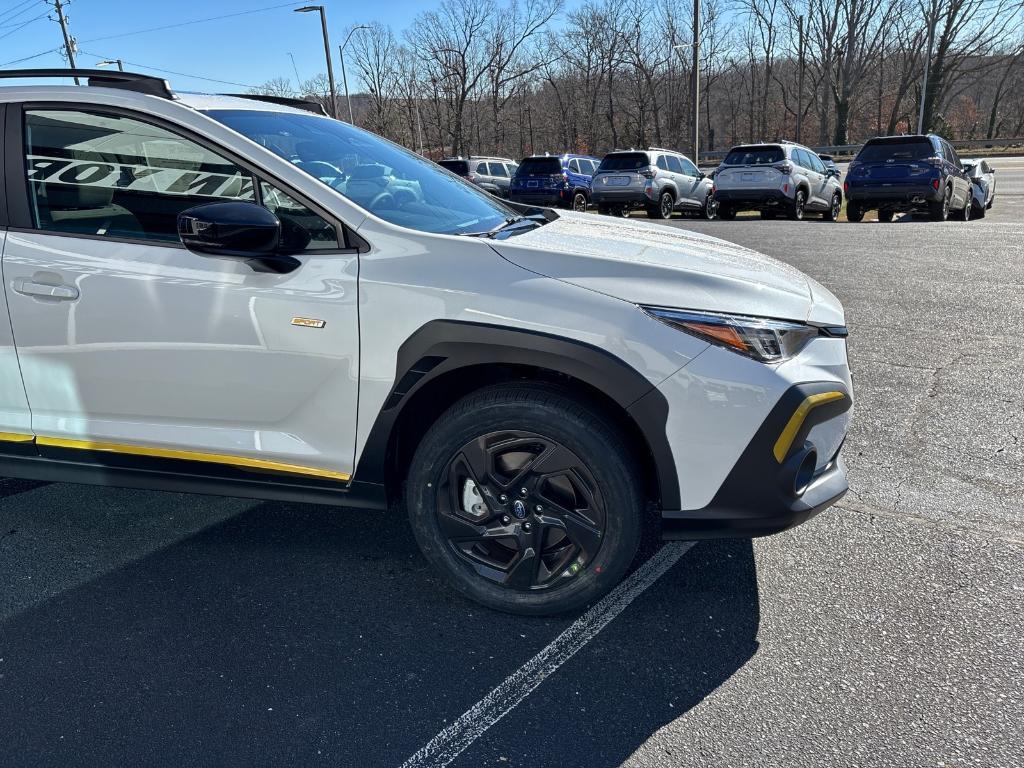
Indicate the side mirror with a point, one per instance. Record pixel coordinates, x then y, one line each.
238 230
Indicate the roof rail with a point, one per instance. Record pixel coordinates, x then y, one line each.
128 81
286 101
664 149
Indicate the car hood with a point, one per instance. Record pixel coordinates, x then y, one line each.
653 264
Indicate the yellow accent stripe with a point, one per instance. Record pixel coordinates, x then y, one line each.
16 437
785 441
211 458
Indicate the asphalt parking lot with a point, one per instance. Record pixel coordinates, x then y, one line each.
161 629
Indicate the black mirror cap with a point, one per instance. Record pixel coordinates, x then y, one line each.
234 228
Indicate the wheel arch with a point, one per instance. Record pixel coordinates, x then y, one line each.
446 360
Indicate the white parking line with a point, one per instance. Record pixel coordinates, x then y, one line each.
449 743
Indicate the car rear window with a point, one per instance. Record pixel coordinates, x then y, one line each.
539 165
460 167
754 156
625 161
897 148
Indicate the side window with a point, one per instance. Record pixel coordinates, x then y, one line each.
816 163
591 168
512 168
954 158
663 162
105 174
573 165
481 168
301 228
689 168
800 158
498 169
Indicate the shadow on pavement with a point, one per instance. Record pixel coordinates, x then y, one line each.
299 635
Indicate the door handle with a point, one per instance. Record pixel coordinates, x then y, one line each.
30 288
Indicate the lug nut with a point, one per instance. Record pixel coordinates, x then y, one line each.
505 519
523 491
527 526
503 498
538 509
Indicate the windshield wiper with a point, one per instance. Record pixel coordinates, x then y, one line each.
511 221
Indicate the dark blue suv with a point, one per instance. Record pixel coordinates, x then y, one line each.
907 173
554 180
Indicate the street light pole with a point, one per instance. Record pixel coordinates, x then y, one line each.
327 53
927 63
344 75
800 79
695 83
108 62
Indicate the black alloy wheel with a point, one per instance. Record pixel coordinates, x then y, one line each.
526 499
520 509
834 208
796 211
579 202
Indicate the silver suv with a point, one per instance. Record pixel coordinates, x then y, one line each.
779 178
659 180
491 174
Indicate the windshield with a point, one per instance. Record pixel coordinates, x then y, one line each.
542 165
896 149
398 186
625 161
754 156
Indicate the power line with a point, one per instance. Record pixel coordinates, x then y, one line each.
29 58
12 12
190 23
23 25
172 72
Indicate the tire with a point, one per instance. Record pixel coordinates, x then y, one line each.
796 210
532 419
726 213
832 214
664 208
965 213
940 211
979 211
709 210
854 213
579 202
885 214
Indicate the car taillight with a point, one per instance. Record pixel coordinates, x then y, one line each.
846 186
784 168
649 173
936 162
935 184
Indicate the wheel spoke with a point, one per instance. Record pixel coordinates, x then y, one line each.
576 527
457 529
554 460
523 573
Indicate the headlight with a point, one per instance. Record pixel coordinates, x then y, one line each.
770 341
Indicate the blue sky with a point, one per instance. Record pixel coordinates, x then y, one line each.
245 49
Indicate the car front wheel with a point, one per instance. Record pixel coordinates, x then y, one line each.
796 210
832 214
579 202
526 500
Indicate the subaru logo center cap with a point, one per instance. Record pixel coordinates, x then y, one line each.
519 509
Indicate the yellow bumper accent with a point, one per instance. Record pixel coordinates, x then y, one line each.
16 437
785 441
210 458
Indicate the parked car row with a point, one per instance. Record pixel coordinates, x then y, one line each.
891 174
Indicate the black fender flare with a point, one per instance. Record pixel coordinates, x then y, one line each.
440 347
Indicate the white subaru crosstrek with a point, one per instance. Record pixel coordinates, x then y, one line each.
230 296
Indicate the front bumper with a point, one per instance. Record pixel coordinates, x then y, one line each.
762 494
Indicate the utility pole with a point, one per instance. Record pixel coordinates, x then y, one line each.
800 78
695 83
344 76
69 41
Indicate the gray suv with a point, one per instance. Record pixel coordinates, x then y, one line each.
491 174
778 178
659 180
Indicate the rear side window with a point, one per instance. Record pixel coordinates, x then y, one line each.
541 165
663 162
897 148
625 161
574 165
498 169
674 165
114 176
757 155
458 167
481 168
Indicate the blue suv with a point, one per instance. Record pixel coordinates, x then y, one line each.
554 180
907 173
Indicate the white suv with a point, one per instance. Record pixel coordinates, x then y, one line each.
225 296
782 178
